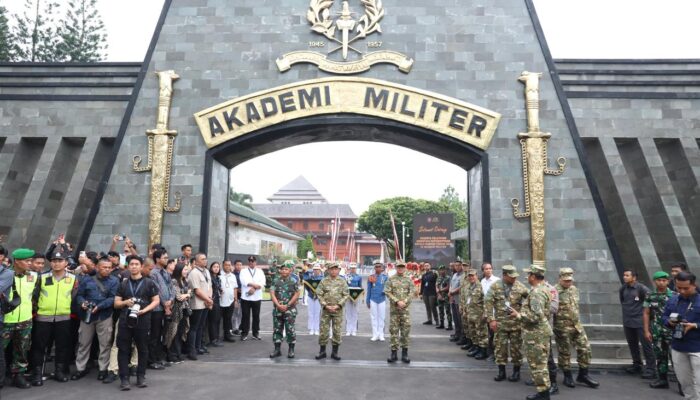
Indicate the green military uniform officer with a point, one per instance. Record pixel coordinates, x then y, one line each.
332 293
569 331
399 290
476 328
443 303
18 324
284 294
534 316
654 328
506 294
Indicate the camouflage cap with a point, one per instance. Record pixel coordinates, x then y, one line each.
471 272
660 275
535 269
332 265
510 270
400 264
566 274
441 266
287 264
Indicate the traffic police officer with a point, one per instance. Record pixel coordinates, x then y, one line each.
399 290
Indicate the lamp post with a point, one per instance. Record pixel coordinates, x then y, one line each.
403 240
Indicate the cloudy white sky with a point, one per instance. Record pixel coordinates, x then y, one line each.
574 29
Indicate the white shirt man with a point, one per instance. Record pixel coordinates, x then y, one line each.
488 279
229 284
252 284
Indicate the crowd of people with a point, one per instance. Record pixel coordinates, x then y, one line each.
131 313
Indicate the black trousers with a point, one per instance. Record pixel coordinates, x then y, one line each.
457 320
227 316
431 307
248 307
194 338
44 333
634 336
175 349
214 322
155 345
124 338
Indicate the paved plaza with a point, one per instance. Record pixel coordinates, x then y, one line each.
243 370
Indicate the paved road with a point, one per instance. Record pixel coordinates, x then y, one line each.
242 370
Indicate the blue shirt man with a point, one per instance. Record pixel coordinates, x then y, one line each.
376 300
89 291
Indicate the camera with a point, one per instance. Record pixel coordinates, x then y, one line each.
133 313
88 311
678 330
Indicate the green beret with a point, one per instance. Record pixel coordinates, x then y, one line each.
660 275
22 254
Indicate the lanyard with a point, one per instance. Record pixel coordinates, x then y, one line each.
252 274
131 286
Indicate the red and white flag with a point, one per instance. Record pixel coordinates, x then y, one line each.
396 237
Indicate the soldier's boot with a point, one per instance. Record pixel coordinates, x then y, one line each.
277 352
482 354
61 375
515 376
290 353
568 379
37 377
584 378
501 374
539 396
19 381
553 388
321 354
393 357
473 351
661 383
334 352
449 326
441 325
404 355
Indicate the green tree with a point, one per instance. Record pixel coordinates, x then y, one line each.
304 246
450 199
243 199
5 37
35 37
82 33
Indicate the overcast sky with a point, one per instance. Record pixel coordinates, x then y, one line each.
574 29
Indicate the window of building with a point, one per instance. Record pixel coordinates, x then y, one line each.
321 226
306 224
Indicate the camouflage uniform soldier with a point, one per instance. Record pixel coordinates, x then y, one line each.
18 324
463 289
476 328
284 293
399 290
536 330
504 294
654 328
443 304
569 331
332 293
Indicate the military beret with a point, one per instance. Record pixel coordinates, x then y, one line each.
441 267
471 272
22 254
535 269
511 271
660 275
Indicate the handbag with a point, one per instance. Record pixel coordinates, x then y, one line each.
7 306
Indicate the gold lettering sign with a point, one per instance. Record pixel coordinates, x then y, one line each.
460 120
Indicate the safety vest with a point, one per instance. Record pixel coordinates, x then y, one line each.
55 298
25 288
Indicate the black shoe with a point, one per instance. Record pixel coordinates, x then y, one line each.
141 382
539 396
404 356
393 357
200 352
204 350
661 383
473 351
229 339
18 381
454 339
428 323
166 364
321 353
441 326
584 378
568 379
515 376
277 352
125 385
334 352
244 338
256 337
290 353
634 369
111 377
529 382
192 357
101 375
649 374
215 344
236 332
60 375
155 366
467 347
482 354
37 377
449 327
132 371
462 341
553 388
79 375
501 374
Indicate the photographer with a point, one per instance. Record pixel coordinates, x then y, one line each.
95 298
682 315
137 297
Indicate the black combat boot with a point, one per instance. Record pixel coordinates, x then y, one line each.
661 383
482 354
61 375
37 377
449 326
501 374
473 351
539 396
19 381
568 379
584 378
290 353
334 352
393 357
441 325
553 388
277 351
404 356
322 353
515 376
462 341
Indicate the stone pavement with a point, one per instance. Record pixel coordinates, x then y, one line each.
243 370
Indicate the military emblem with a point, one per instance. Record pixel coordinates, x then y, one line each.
355 293
343 29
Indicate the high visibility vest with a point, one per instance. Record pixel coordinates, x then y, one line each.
25 288
55 298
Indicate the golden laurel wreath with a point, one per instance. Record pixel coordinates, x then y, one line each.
319 14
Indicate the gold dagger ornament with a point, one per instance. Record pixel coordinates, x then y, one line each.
533 146
160 159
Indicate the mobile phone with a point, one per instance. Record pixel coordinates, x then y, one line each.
82 254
